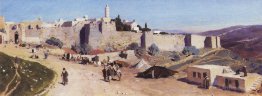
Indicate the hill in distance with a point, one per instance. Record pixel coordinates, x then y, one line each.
244 40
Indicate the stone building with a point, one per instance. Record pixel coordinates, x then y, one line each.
132 25
146 39
195 40
2 23
99 33
223 77
212 42
2 30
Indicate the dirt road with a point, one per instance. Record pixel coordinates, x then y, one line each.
87 80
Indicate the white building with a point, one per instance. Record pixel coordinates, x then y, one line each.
223 77
132 25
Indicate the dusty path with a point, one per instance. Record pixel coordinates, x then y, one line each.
86 80
7 92
17 82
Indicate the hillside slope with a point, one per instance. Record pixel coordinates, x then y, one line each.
222 57
244 40
23 79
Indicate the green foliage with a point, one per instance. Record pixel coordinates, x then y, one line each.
34 77
190 50
146 28
120 26
140 28
153 49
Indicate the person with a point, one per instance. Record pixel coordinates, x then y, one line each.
46 54
244 69
105 74
207 82
64 77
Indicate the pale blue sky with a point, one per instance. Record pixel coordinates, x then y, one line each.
188 15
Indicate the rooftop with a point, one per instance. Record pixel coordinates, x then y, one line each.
210 67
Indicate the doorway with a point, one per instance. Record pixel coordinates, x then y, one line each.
226 83
16 38
1 39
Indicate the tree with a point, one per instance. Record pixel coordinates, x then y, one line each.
140 28
119 24
146 29
153 49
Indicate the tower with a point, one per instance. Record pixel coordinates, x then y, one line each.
107 11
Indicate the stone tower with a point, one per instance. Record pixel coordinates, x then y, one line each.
107 12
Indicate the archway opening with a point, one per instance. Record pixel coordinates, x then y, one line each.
16 38
1 39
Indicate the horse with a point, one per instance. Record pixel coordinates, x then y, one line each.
110 72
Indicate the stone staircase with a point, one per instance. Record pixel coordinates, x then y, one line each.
255 85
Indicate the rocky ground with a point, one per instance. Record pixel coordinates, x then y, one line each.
87 80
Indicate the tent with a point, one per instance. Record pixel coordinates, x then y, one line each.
142 65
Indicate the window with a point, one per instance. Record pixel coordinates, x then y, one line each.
204 75
199 75
237 83
194 74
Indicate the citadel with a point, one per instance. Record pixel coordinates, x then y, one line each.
99 33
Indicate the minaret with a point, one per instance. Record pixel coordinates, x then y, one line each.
107 11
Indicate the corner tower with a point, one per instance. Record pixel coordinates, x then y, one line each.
107 11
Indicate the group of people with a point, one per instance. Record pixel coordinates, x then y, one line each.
110 71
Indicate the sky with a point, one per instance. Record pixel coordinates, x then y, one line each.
187 15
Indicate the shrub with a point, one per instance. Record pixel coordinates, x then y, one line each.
85 48
55 42
139 52
190 50
153 49
82 48
175 56
132 46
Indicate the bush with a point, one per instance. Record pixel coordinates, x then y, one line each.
153 49
82 48
139 52
132 46
190 50
86 48
175 56
55 42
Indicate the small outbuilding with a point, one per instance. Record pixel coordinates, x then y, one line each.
224 77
